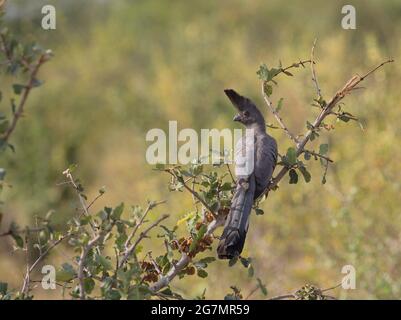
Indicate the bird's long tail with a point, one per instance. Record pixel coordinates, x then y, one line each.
236 226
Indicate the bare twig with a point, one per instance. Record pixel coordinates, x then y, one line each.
128 252
317 155
25 286
85 208
312 66
193 192
277 116
347 89
150 206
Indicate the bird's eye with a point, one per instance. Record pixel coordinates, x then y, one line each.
246 113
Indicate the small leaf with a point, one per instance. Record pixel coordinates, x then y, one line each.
293 177
263 72
291 156
37 83
117 212
307 176
268 89
202 273
259 212
89 285
251 271
66 273
3 288
106 263
18 88
18 240
279 105
232 261
323 149
262 287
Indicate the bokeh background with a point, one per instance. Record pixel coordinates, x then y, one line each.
124 67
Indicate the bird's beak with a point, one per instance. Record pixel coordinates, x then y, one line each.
237 117
236 99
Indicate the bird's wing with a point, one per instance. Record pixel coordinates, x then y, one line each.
265 162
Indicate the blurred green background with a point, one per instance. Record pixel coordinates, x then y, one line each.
124 67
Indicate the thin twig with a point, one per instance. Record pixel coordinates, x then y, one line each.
277 116
39 259
81 263
27 89
193 192
128 252
312 66
317 155
220 219
150 206
347 88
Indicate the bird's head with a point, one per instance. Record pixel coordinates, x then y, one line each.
249 115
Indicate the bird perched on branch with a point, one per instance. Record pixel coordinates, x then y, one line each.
255 160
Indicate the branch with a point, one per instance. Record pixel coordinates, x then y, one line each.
85 208
193 192
277 116
25 286
312 66
313 153
150 206
347 89
27 89
185 258
143 234
81 263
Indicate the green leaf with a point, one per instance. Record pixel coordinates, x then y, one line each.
259 212
36 83
307 176
4 126
89 285
3 288
268 89
291 156
245 262
207 260
226 186
344 117
202 273
198 237
66 273
293 177
106 263
251 271
262 287
232 261
263 72
18 240
279 105
116 214
323 149
18 88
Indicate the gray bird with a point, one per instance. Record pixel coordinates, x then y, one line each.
250 184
